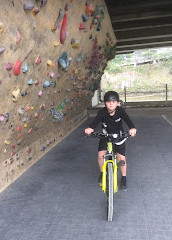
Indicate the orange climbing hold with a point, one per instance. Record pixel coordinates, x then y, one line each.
89 8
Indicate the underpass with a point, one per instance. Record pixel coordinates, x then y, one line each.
58 197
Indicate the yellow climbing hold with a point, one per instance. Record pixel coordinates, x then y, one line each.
30 130
50 64
15 94
7 142
75 45
32 107
56 43
25 125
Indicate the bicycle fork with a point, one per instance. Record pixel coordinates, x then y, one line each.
115 186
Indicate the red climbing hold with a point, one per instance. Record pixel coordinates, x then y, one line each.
17 67
63 29
81 26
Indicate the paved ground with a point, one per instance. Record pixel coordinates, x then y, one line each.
58 198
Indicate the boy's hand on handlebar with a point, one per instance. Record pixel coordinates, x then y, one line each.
89 131
132 132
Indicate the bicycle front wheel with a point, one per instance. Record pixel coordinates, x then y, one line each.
109 191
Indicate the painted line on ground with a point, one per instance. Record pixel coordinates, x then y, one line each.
167 119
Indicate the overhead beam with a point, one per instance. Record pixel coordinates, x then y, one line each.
143 16
145 41
144 44
142 23
139 33
143 27
126 49
132 4
138 10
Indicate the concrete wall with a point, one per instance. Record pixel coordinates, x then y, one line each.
30 125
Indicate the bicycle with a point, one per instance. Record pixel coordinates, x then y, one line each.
110 166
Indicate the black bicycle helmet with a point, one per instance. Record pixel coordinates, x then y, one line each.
111 96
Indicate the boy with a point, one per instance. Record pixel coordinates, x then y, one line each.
111 117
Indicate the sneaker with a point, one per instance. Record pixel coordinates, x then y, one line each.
100 179
123 185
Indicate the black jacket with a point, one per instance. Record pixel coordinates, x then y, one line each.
112 124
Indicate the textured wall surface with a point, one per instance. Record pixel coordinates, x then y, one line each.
63 48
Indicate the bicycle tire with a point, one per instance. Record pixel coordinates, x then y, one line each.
109 191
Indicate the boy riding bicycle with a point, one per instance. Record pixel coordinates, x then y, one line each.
111 117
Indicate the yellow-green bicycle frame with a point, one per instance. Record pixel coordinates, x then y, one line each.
113 160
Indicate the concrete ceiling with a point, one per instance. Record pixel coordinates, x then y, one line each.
141 24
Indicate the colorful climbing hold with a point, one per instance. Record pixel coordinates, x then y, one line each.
89 8
60 16
38 60
63 61
50 64
15 94
23 93
9 66
63 32
36 82
28 150
30 82
21 111
56 44
40 93
7 142
19 128
28 6
36 115
35 11
18 37
43 3
30 130
85 18
25 68
27 109
2 49
42 106
26 119
67 7
79 58
19 136
17 67
52 74
47 83
2 118
81 26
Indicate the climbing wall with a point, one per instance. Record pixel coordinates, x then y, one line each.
52 56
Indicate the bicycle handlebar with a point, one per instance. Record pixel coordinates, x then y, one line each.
110 135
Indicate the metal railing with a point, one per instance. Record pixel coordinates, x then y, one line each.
150 93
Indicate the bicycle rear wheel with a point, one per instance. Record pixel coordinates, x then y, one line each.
109 191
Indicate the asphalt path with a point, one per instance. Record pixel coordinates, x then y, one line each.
58 197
